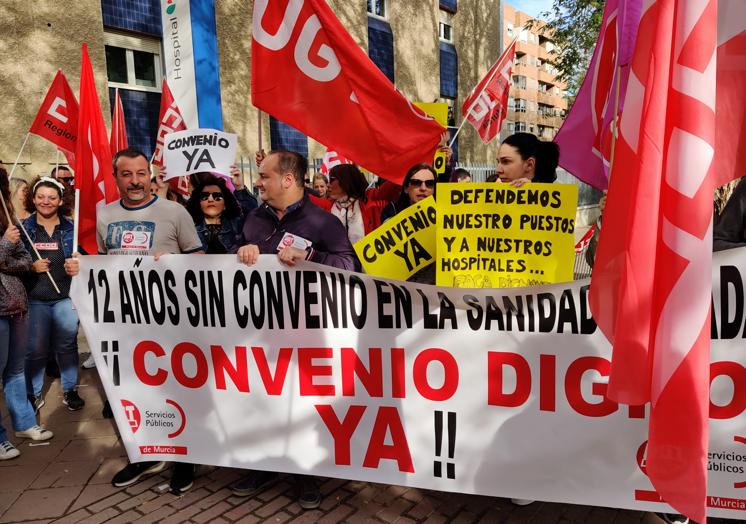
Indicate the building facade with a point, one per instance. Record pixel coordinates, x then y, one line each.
432 50
538 101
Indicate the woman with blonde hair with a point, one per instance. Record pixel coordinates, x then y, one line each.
18 190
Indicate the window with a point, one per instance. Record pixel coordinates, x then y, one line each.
511 103
519 81
523 36
133 62
520 105
377 8
520 127
445 32
510 29
511 128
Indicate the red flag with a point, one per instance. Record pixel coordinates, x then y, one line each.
730 131
57 119
169 120
485 108
307 71
118 139
652 281
93 173
331 159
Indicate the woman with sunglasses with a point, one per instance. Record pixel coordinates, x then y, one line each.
356 205
419 183
216 214
53 323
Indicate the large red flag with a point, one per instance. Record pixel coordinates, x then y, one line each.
651 287
118 140
93 172
307 71
485 108
57 118
169 120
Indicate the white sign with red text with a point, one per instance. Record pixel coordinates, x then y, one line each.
322 371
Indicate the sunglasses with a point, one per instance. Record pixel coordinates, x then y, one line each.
414 182
216 195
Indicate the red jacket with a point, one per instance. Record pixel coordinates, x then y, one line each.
370 208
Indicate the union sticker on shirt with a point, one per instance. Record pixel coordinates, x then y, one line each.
290 240
46 246
135 240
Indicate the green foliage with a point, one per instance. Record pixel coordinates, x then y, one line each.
574 25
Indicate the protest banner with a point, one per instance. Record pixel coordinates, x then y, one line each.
194 150
320 371
497 235
403 245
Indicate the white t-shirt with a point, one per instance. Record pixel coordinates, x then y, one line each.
160 226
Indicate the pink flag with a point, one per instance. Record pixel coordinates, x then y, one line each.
586 135
652 280
485 108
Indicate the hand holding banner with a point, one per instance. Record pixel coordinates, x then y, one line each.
196 150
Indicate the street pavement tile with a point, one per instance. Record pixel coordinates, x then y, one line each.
17 478
92 448
93 493
61 474
41 504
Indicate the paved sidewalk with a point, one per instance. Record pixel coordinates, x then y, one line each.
67 480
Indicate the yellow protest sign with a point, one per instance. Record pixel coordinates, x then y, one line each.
439 162
401 246
494 235
437 110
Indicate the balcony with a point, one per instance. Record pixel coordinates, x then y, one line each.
547 77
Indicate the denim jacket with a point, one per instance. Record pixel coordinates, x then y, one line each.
229 233
66 230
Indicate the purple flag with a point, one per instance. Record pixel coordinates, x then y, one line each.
585 137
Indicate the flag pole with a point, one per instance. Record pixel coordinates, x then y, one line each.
76 222
480 92
615 121
259 129
15 164
57 162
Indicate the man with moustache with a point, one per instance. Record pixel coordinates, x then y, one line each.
143 224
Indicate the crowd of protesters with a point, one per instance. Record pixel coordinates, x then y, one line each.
324 215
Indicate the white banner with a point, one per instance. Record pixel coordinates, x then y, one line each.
322 371
194 150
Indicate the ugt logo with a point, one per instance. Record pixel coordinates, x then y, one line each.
132 414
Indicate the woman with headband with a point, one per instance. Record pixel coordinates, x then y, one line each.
14 261
53 323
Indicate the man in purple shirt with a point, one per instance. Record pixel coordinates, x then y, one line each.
287 223
294 228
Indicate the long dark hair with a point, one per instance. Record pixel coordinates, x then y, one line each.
545 153
232 209
5 193
350 180
403 201
64 209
